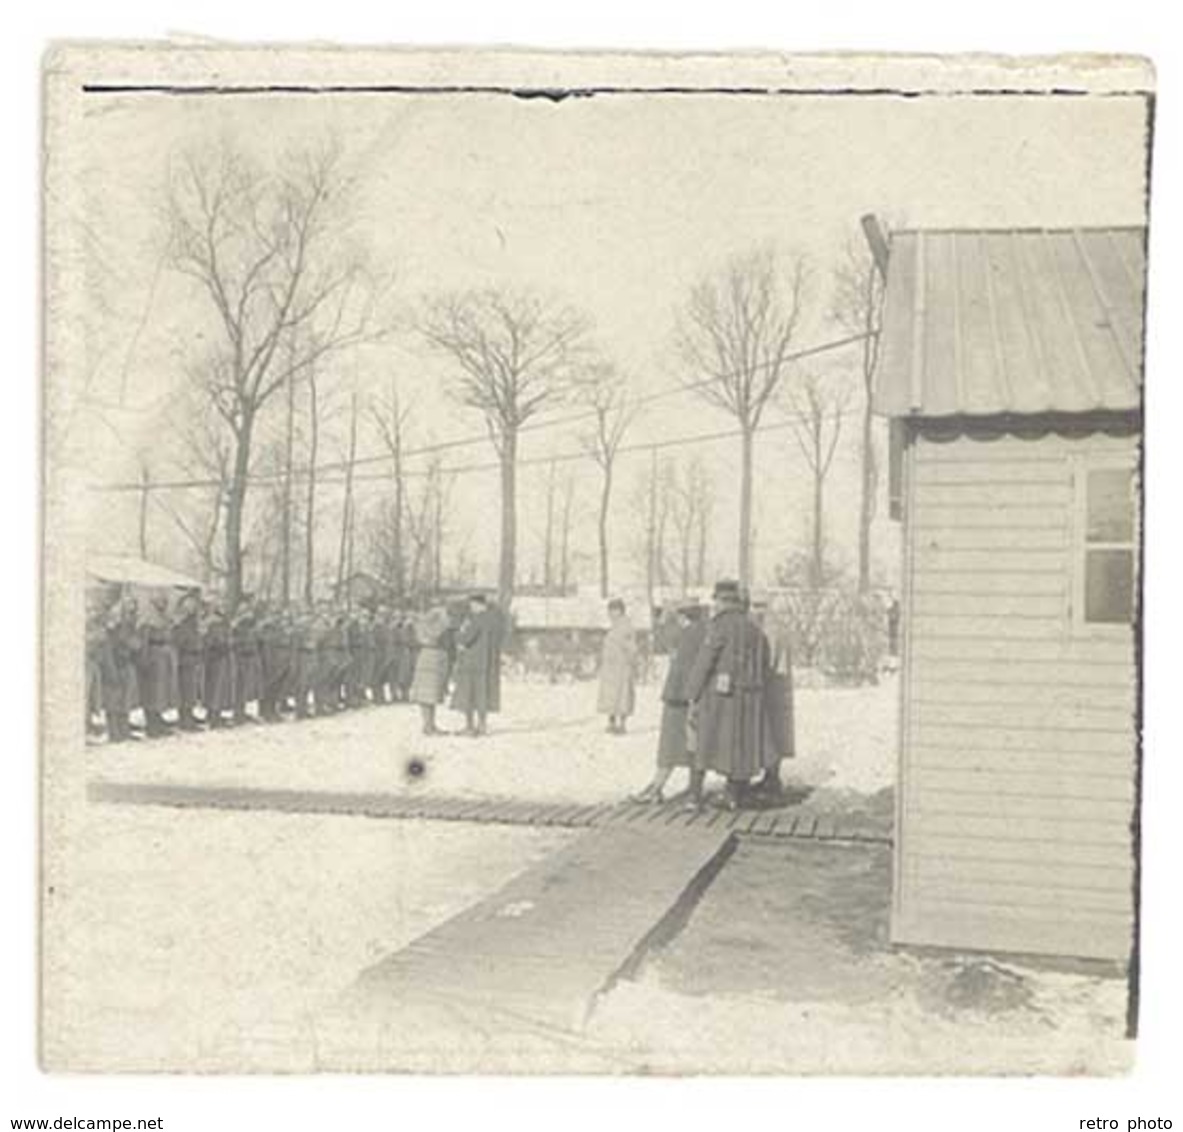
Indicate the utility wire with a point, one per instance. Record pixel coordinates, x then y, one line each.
259 479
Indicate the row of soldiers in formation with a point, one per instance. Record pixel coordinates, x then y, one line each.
205 668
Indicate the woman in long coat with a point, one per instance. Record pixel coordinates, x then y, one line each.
477 690
618 669
675 745
728 684
433 665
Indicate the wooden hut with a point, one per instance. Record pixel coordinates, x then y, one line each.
1011 370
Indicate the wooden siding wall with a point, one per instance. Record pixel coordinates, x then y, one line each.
1018 731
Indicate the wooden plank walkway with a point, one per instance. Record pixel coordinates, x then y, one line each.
541 950
796 822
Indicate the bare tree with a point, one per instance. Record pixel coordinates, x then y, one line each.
548 541
816 410
314 413
856 303
651 504
345 555
690 507
267 249
392 419
734 337
426 527
565 532
203 451
603 391
514 354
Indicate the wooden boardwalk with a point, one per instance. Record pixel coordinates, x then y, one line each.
540 951
794 821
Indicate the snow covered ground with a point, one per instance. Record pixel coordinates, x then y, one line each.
206 940
213 940
547 745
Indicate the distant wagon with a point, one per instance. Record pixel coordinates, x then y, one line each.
1011 371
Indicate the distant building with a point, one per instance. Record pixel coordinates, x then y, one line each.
1011 371
362 588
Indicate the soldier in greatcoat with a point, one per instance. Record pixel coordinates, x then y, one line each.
675 747
380 678
780 737
408 655
128 645
275 650
190 647
618 669
248 662
115 695
728 686
96 643
219 667
304 661
157 666
477 689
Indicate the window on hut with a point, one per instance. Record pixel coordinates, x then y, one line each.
1105 561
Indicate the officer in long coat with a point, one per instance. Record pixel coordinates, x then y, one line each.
304 661
157 667
127 642
115 697
728 685
477 690
618 669
248 661
380 676
219 667
190 647
780 737
675 745
408 655
275 648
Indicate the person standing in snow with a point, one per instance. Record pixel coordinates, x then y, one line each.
618 669
676 744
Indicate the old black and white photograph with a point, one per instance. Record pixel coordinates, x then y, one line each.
592 563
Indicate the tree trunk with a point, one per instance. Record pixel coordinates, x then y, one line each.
310 519
700 565
509 522
289 447
235 506
347 512
818 536
745 506
605 504
400 575
565 543
437 533
548 549
651 533
145 487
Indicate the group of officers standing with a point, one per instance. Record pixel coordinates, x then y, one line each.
195 666
727 700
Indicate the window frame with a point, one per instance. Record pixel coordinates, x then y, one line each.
1082 465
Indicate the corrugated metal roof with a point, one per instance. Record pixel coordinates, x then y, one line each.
1012 321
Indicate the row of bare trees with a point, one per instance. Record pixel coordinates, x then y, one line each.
289 294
